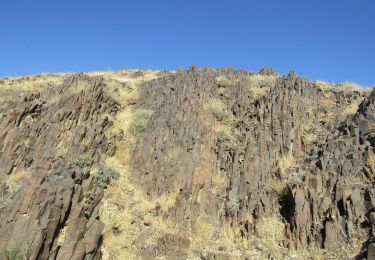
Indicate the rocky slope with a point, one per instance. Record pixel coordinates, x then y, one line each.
193 164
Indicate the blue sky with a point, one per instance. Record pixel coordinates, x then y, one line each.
321 39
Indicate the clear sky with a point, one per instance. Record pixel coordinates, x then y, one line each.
332 40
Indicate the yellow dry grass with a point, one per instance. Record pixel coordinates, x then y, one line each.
127 211
345 86
259 85
270 232
14 180
11 88
286 163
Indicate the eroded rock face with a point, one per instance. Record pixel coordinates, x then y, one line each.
180 152
323 198
55 213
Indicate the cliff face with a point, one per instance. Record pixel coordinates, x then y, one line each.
212 164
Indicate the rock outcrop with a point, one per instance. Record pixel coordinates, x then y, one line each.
234 154
55 212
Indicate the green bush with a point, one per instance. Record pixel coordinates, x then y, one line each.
105 175
17 250
139 121
115 222
83 161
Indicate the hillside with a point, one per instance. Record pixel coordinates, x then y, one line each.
190 164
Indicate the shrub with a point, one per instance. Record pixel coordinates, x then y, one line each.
83 161
259 84
17 250
224 82
224 136
296 177
114 221
105 175
286 163
218 109
139 121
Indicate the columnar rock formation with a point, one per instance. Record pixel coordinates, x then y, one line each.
278 158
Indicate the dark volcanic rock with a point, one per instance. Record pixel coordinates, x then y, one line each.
55 213
323 198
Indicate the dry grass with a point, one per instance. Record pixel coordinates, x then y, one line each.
13 182
351 109
126 208
345 86
371 162
277 186
286 163
259 84
224 82
270 231
11 88
218 182
217 108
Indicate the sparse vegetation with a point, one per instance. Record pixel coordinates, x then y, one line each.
296 177
286 163
14 180
139 121
17 250
260 84
83 161
268 72
105 175
218 109
270 231
224 136
224 82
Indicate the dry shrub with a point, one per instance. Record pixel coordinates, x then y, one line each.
217 108
286 163
224 82
139 121
277 186
259 84
14 180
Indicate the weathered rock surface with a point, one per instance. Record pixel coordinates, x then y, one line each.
55 213
325 197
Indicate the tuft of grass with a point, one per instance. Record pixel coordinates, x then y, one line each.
139 121
83 161
287 162
259 84
218 109
224 82
277 186
105 175
14 180
17 250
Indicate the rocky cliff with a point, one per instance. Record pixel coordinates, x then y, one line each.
198 163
